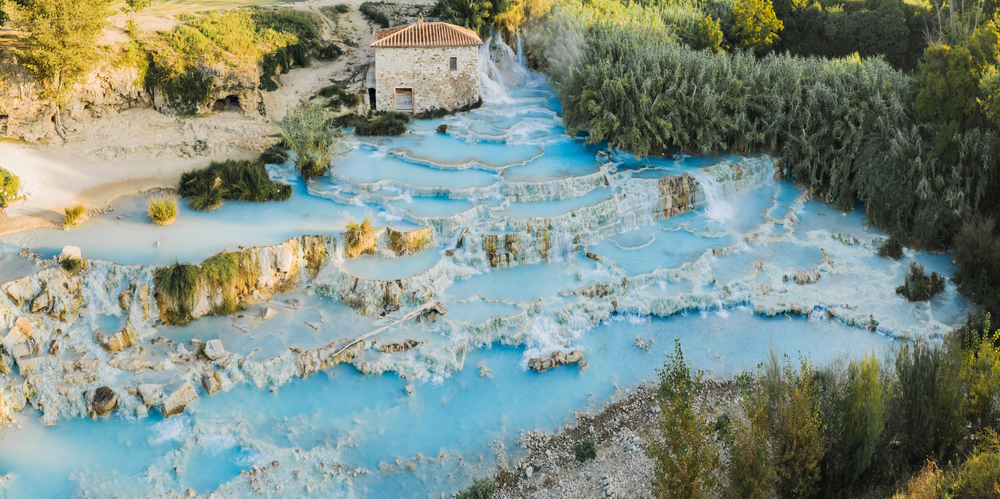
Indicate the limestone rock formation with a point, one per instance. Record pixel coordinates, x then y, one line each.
214 350
177 401
556 359
118 341
806 276
405 346
70 252
211 381
150 394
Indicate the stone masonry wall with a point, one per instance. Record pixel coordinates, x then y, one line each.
425 70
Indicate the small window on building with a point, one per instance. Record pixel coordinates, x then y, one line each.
453 63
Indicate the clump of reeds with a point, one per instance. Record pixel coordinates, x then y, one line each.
74 216
177 285
238 180
359 238
162 209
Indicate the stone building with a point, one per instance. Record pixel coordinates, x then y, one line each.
423 66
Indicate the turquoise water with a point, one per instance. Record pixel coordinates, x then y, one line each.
719 277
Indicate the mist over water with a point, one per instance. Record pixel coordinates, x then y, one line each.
720 277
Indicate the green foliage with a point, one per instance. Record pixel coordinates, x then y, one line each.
685 461
755 24
383 123
925 413
481 488
60 50
238 180
72 265
919 287
372 12
442 128
314 137
275 155
976 477
892 248
74 216
10 185
585 450
981 373
162 209
342 8
977 252
439 112
857 408
751 472
339 97
472 14
177 285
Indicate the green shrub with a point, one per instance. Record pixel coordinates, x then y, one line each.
977 477
371 12
925 418
10 185
385 123
315 138
72 265
162 209
585 450
359 238
238 180
184 17
977 252
858 404
919 287
723 425
233 274
685 461
751 472
342 8
176 286
339 97
275 155
442 128
891 248
439 112
74 216
481 488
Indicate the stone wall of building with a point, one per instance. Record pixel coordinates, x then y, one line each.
425 70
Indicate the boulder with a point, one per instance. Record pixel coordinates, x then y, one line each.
150 394
806 276
555 359
41 303
177 401
70 252
105 400
214 350
795 307
119 341
409 389
211 381
267 313
124 300
23 326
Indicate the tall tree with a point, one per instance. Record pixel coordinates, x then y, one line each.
472 14
60 47
755 24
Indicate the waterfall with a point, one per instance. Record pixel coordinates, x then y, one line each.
716 206
501 68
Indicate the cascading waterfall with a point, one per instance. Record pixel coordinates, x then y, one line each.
717 207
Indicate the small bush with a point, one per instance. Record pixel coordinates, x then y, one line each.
315 138
977 252
481 488
342 8
10 184
585 450
371 12
162 209
275 155
176 286
977 477
892 248
723 425
442 128
74 216
184 16
72 264
440 112
359 237
919 287
233 274
339 97
385 123
238 180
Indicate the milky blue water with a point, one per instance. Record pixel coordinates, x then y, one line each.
720 280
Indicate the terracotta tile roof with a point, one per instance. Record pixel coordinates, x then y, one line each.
424 34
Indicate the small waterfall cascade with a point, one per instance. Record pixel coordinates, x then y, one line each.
717 208
501 69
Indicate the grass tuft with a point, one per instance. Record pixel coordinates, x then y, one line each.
237 180
481 488
918 286
359 238
585 450
72 265
176 284
892 248
74 216
162 209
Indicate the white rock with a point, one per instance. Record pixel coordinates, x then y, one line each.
70 252
150 393
212 382
214 350
267 313
409 389
177 401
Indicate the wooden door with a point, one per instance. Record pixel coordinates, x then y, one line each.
404 99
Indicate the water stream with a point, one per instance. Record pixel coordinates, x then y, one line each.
705 249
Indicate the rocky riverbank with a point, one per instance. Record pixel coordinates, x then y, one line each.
621 469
